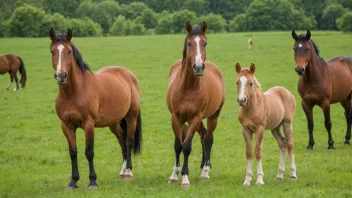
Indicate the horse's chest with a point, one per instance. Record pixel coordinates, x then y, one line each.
71 113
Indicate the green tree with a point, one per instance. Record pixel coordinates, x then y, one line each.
330 14
201 7
64 7
215 22
85 27
117 28
239 23
179 20
133 10
149 18
137 28
56 21
314 8
344 22
164 24
26 21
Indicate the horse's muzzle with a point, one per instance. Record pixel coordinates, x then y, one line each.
198 69
300 71
242 101
61 78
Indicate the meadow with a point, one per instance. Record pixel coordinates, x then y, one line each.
34 158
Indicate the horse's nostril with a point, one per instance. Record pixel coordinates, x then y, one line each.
244 100
65 74
203 66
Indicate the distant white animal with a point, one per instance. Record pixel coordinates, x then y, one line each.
250 44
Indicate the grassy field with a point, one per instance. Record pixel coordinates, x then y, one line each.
34 158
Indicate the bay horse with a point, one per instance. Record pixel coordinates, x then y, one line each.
322 83
260 111
108 98
196 91
11 64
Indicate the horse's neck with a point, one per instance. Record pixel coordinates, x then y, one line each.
315 69
189 80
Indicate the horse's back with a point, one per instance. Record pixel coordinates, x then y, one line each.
9 62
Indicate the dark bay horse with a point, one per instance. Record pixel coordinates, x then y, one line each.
322 83
11 64
108 98
196 91
260 111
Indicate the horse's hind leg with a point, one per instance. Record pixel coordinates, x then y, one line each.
348 115
326 109
178 149
11 80
287 126
121 138
282 146
16 80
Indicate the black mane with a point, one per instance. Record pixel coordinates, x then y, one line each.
195 31
78 56
303 38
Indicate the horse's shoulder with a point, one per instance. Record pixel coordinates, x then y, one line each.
174 66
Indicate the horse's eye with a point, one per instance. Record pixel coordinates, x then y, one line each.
307 50
52 52
188 44
205 44
70 52
251 84
236 83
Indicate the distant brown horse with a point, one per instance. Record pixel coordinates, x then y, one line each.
261 111
196 91
11 64
108 98
322 83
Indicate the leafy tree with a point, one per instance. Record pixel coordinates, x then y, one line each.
239 23
137 28
330 14
117 29
56 21
85 27
215 22
133 10
179 20
149 18
344 22
314 8
64 7
26 21
164 24
201 7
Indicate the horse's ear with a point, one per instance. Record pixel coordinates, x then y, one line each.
238 68
188 27
204 27
52 34
294 35
308 35
252 68
68 34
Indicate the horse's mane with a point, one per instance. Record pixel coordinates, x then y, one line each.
78 56
195 31
303 38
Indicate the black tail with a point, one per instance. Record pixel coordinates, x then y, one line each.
23 72
137 143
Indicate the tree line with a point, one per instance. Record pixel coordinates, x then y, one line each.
33 18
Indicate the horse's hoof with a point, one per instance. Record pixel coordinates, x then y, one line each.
309 147
259 183
347 143
172 181
121 176
279 178
71 187
331 147
185 185
203 177
293 177
92 187
127 177
246 183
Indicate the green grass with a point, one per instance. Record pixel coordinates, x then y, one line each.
34 159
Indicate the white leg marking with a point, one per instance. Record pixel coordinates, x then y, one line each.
280 174
293 167
128 173
174 175
123 170
260 173
60 48
9 85
243 80
198 56
185 181
205 172
249 174
14 89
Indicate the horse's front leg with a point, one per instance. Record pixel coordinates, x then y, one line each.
89 134
328 125
308 110
70 134
187 146
259 133
247 134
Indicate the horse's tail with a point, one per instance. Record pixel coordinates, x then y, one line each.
23 72
137 143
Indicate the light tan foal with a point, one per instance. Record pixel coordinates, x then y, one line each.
261 111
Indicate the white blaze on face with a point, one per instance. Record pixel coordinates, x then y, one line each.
243 80
60 48
300 45
198 56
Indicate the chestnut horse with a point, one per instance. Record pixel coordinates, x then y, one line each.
322 83
250 44
262 111
108 98
11 64
196 91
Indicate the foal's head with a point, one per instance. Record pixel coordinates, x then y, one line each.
194 47
246 83
302 51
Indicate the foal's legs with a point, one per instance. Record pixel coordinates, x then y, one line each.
70 134
121 138
259 135
282 145
287 125
348 115
308 110
247 134
88 128
326 109
11 80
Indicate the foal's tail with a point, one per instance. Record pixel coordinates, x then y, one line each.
23 72
137 143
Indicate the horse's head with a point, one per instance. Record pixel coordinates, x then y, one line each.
62 55
245 83
302 53
194 49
